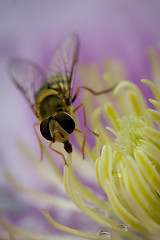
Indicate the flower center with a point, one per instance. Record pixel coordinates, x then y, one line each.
128 136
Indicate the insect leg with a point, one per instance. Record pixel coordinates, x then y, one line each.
84 140
92 91
84 117
40 143
50 146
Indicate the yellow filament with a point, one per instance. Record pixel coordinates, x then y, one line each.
22 233
136 104
76 197
70 230
153 87
155 103
154 61
112 116
154 115
151 134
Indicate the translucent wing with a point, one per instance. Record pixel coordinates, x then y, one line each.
28 77
63 62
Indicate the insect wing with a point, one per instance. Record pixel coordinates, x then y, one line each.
63 62
28 77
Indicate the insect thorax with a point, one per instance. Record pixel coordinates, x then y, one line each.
49 102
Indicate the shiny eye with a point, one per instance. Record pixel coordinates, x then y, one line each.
44 128
65 121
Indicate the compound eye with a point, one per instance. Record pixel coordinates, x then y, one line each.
65 121
44 128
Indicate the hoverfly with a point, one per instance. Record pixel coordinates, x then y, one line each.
50 97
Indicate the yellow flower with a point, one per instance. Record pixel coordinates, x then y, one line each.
128 168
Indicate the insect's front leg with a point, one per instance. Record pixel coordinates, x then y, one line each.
53 149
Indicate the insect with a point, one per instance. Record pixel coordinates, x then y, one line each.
50 95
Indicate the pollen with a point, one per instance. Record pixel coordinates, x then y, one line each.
129 135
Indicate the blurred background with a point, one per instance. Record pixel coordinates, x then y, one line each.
116 29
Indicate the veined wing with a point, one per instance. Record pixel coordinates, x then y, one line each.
63 63
28 77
